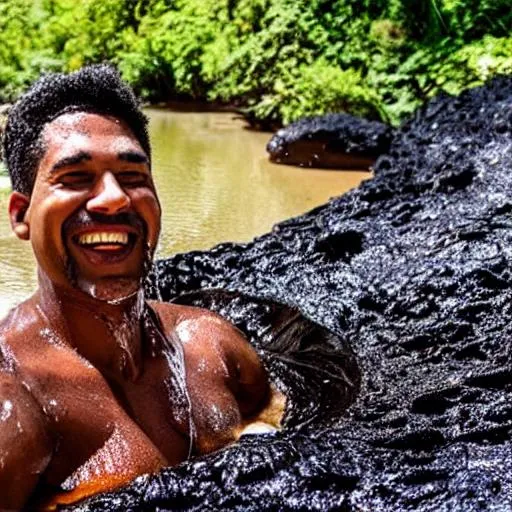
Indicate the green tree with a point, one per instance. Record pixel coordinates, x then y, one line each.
276 60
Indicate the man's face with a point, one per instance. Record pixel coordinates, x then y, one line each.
94 216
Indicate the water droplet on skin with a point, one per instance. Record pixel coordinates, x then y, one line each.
6 410
216 418
202 365
184 330
87 287
50 336
7 358
53 410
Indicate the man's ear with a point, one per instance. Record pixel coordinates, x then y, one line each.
18 205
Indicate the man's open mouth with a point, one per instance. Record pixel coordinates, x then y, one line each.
113 245
103 239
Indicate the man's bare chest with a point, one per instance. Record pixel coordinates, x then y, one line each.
91 417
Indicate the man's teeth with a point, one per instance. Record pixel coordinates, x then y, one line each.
103 238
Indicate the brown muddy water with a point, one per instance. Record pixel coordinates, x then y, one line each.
215 184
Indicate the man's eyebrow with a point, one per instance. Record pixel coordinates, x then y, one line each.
134 157
71 160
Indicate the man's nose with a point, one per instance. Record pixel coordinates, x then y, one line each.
108 196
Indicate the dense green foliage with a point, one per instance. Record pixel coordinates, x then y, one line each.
276 59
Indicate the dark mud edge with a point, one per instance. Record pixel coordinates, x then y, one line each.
412 271
332 141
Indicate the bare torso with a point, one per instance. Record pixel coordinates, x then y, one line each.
95 430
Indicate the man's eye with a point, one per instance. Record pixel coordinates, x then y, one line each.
76 178
132 178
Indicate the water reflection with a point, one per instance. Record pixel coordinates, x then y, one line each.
215 184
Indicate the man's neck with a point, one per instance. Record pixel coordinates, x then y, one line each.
109 336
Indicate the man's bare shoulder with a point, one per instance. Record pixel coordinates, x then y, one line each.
34 349
15 339
173 316
211 341
20 323
199 327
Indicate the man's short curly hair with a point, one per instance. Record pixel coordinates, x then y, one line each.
97 89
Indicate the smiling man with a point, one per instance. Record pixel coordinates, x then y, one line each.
97 385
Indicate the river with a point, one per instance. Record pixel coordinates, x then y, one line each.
215 184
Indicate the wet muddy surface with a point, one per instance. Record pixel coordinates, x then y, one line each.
407 282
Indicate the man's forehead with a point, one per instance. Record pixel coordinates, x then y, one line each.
83 128
80 136
85 123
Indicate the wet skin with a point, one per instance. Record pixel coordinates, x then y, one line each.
86 395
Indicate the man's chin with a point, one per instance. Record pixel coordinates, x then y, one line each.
113 290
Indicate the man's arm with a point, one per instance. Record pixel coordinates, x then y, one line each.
261 404
25 447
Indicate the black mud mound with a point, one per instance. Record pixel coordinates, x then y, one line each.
333 141
413 272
